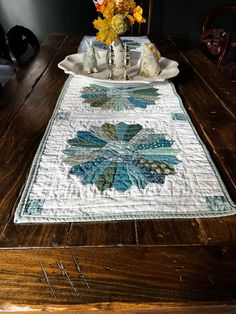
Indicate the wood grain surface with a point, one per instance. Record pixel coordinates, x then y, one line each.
117 278
149 266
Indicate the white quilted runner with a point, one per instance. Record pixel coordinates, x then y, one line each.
121 153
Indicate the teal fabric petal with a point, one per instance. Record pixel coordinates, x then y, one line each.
94 174
162 151
131 131
91 170
138 102
77 142
146 92
136 177
86 139
122 181
110 131
81 158
106 178
168 159
121 129
85 135
74 150
163 142
98 131
150 174
92 91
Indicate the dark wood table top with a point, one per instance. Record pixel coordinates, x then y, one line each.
150 266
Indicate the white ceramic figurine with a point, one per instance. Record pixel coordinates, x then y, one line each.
149 61
89 59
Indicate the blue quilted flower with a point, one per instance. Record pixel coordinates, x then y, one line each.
119 98
120 156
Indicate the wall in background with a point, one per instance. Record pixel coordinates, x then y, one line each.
186 17
45 16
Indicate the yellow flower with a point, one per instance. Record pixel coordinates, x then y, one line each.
119 24
117 17
108 9
131 19
99 4
138 11
125 6
106 32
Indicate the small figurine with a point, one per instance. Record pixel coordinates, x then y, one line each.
89 59
149 61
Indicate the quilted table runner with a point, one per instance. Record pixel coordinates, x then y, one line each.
117 153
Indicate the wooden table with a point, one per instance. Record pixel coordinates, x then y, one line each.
153 266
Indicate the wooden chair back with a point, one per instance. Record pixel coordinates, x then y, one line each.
217 43
23 44
144 28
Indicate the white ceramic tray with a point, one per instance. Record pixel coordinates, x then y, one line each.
73 64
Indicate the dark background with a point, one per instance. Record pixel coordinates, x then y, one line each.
44 16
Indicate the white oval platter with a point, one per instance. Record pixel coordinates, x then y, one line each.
73 64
